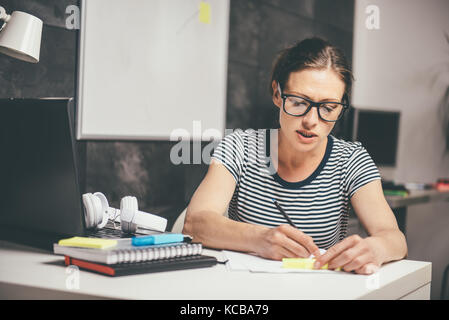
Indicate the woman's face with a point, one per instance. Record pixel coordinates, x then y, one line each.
316 85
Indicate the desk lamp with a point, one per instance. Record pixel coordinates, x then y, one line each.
20 36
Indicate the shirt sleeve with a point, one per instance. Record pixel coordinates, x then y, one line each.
230 152
361 170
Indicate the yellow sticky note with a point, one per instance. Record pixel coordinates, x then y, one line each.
300 263
204 15
88 242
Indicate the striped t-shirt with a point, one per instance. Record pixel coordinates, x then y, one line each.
318 205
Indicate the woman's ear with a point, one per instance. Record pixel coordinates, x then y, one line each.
277 99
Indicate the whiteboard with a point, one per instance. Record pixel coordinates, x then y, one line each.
150 68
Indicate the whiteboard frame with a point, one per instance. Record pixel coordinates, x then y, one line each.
80 135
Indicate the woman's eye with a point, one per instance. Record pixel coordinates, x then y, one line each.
299 103
325 110
328 107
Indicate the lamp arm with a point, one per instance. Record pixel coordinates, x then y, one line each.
3 15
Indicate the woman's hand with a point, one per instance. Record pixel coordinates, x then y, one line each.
353 254
285 241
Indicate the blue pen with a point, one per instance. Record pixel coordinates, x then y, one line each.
157 239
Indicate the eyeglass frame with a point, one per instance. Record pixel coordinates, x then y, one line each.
313 104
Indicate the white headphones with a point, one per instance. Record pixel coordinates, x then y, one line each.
98 212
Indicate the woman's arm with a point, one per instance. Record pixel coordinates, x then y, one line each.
385 242
205 223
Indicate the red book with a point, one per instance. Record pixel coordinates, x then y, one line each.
92 266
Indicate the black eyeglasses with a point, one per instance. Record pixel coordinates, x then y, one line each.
298 106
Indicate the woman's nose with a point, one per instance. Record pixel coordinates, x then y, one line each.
311 118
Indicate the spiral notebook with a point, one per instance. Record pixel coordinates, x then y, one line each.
124 252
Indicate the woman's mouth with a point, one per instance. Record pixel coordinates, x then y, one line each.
306 136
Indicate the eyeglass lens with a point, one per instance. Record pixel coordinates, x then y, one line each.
297 106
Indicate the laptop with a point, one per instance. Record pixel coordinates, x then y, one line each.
39 174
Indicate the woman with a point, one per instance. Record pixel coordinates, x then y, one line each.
311 174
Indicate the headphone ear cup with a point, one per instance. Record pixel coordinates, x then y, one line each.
102 203
89 210
103 200
98 210
128 209
131 217
103 222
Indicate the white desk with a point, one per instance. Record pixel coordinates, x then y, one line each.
27 273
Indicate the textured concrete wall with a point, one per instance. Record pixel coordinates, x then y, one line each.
258 30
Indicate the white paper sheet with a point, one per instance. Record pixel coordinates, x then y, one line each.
238 261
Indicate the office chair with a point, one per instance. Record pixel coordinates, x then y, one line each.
179 223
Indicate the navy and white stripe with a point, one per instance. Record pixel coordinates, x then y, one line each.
318 205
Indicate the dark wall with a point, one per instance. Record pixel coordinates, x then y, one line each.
258 30
54 75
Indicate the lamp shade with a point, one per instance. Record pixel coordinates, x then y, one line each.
20 37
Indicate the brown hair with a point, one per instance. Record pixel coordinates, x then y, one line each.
313 53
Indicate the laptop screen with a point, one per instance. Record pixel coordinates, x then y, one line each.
39 182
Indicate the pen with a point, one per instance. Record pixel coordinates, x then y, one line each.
284 213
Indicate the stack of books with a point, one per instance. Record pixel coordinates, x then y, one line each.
119 257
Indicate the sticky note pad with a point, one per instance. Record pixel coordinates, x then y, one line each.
204 15
300 263
88 242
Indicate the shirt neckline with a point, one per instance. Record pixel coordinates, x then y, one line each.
299 184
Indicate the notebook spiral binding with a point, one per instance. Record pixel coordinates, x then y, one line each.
158 253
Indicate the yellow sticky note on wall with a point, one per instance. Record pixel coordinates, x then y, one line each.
204 15
88 242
